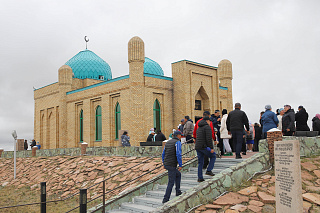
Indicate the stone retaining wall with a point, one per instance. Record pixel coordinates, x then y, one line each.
135 151
308 145
141 189
206 191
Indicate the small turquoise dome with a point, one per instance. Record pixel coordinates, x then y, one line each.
86 64
152 67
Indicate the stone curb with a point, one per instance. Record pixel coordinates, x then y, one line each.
133 151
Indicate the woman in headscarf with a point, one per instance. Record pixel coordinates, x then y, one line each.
125 139
316 123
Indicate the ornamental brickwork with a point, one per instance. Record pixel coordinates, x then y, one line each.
58 106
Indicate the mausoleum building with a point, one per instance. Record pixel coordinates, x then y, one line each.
88 105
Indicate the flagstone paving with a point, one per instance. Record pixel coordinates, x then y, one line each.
65 175
259 194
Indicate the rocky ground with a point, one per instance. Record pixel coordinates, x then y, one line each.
65 175
258 195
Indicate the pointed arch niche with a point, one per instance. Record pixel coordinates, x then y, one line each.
157 115
81 126
117 117
202 102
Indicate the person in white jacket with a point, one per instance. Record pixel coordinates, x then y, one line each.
224 132
281 111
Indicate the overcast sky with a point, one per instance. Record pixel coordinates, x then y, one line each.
273 46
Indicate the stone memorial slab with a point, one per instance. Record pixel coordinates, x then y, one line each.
288 176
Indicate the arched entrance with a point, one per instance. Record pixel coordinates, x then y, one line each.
202 102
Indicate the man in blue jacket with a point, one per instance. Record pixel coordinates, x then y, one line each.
171 156
269 120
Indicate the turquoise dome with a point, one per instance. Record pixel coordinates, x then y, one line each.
152 67
86 64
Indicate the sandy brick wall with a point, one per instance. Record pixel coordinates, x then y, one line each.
57 114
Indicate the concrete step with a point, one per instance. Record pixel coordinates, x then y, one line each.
118 211
136 208
229 160
153 199
195 170
189 182
164 187
159 194
194 176
224 165
148 201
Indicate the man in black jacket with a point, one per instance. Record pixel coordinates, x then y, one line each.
171 156
288 119
235 122
301 118
204 146
160 136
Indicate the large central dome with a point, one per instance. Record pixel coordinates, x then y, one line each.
86 64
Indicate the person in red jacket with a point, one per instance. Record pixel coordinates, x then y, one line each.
205 114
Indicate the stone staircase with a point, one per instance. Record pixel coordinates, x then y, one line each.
153 199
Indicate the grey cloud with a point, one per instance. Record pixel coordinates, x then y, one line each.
273 45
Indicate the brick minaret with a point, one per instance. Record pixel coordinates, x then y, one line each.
225 78
65 82
137 92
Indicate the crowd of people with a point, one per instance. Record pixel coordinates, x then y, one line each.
231 132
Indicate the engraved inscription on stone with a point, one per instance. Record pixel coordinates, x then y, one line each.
288 176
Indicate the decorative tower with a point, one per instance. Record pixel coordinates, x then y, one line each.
225 78
136 60
65 83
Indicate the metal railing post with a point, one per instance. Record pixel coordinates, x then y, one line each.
43 197
83 200
104 196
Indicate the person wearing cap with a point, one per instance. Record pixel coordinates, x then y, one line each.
180 127
281 113
235 122
204 147
288 119
269 120
301 118
205 114
171 156
188 129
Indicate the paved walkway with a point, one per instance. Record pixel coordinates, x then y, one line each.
248 155
153 199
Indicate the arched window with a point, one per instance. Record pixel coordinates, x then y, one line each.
118 120
157 115
98 124
81 126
